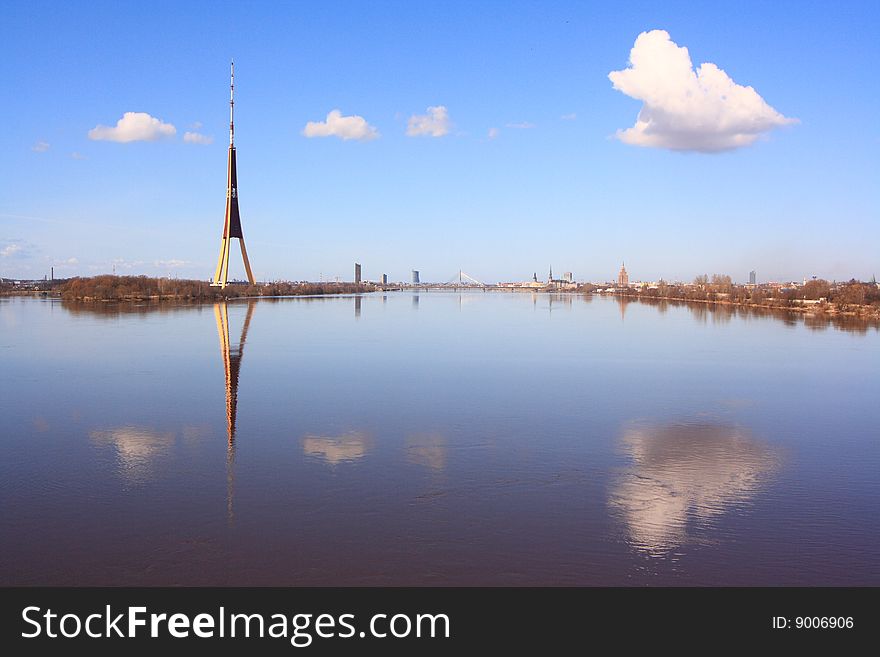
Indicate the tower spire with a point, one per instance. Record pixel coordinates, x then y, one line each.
232 103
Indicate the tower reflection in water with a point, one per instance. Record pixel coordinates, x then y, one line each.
232 355
683 477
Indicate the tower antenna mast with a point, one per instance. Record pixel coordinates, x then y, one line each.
232 103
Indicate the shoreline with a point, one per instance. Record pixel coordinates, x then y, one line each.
863 311
824 309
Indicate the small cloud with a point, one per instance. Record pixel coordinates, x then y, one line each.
118 263
197 138
134 126
569 117
170 264
435 123
40 147
196 125
524 125
685 109
77 156
345 127
493 133
63 264
17 249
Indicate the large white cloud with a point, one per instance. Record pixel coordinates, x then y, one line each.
134 126
435 123
686 109
344 127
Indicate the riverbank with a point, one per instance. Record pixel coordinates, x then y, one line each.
143 288
811 307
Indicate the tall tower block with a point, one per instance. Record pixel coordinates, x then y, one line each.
232 222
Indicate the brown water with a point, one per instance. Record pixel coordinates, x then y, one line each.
481 438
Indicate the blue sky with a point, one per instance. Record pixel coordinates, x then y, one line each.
801 200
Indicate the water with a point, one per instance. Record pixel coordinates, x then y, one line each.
440 438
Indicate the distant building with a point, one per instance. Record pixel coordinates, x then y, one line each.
384 279
415 276
357 273
564 283
753 277
622 277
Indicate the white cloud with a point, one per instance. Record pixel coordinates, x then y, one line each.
686 109
435 123
493 133
569 117
197 138
77 155
522 125
344 127
171 264
134 126
118 263
10 250
40 147
197 125
63 263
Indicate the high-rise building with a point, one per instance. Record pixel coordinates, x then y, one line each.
622 277
753 277
415 276
357 273
568 277
232 222
384 279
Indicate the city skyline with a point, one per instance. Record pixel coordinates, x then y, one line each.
370 139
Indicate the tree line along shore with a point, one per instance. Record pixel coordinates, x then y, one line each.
145 288
814 296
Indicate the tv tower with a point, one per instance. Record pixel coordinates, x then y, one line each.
232 222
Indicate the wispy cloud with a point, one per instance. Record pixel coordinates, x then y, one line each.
117 264
493 133
134 126
77 156
686 109
171 264
522 125
435 123
569 117
344 127
17 249
40 147
197 138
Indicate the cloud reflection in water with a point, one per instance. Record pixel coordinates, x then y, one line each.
137 449
684 476
428 450
337 449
